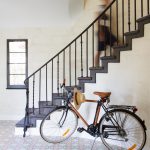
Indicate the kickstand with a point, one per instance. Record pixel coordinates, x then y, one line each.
93 143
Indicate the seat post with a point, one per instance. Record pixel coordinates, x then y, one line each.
97 112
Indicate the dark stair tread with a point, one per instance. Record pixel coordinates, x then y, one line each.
84 78
37 113
132 33
45 103
31 121
57 96
49 104
143 18
20 123
120 46
70 88
33 117
96 68
108 58
31 110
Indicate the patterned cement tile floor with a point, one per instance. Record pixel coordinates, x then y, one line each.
8 141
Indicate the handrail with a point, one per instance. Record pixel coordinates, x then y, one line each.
71 41
47 88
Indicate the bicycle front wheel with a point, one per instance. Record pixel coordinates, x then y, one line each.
58 125
122 130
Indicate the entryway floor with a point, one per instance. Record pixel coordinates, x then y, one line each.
8 141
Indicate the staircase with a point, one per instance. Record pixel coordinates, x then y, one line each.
75 62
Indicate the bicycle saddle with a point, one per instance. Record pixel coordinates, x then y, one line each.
103 94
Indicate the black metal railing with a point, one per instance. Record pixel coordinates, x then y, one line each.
74 60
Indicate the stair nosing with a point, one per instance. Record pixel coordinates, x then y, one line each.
84 78
132 33
143 18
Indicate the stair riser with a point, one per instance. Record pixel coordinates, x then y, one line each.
46 110
56 102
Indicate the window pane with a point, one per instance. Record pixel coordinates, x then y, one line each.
17 58
17 46
17 68
17 79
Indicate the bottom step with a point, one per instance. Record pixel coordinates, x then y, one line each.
36 132
33 117
21 122
30 131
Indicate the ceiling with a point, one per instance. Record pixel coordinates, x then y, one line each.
39 13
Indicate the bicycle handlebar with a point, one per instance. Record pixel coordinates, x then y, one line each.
63 84
68 93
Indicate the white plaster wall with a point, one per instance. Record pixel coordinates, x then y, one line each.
39 13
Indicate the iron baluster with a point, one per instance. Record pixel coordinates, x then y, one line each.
52 82
135 13
104 36
148 7
87 57
58 74
123 21
81 57
75 62
26 119
141 8
64 67
129 21
70 65
39 90
33 92
110 31
99 31
46 87
117 19
93 42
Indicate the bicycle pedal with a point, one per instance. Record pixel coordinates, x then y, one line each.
80 129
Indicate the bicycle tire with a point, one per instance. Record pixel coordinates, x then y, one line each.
58 125
133 134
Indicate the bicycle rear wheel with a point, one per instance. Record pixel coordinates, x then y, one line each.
58 125
122 130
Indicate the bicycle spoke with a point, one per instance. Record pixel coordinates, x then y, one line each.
59 127
122 130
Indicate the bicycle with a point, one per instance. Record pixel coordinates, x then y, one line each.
118 128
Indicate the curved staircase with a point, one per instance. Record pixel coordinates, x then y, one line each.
75 62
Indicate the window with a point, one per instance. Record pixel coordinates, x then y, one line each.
17 66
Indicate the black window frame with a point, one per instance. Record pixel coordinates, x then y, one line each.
8 66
